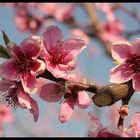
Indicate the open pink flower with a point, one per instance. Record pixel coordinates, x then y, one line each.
24 65
97 130
129 56
53 92
60 55
14 94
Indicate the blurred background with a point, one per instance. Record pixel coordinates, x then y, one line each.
99 24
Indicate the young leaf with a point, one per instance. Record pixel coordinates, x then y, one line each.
3 52
5 37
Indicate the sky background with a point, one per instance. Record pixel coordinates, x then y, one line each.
94 68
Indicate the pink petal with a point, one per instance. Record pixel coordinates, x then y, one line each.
57 71
51 92
34 110
5 85
14 50
66 110
5 114
136 121
121 51
31 47
130 132
136 82
94 119
136 47
29 83
9 70
40 82
23 99
75 46
51 36
109 131
38 67
83 100
120 74
95 125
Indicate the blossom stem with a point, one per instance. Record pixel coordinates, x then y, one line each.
125 102
103 95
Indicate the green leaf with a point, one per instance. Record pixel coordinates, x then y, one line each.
3 52
5 37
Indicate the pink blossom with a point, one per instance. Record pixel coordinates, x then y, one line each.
60 11
97 130
14 94
60 55
129 58
53 92
24 22
111 30
23 64
107 9
134 128
5 114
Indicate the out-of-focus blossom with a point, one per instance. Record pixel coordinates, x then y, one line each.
26 22
134 128
5 114
107 9
61 11
111 31
128 55
60 55
15 96
97 130
24 65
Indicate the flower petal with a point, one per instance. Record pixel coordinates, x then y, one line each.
120 74
38 67
121 51
34 110
66 110
57 71
135 121
40 82
9 70
83 100
29 83
75 46
130 132
32 46
136 82
51 36
50 92
23 99
136 46
14 50
5 85
109 131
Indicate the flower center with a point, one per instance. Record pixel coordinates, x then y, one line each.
24 63
134 63
10 96
58 54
